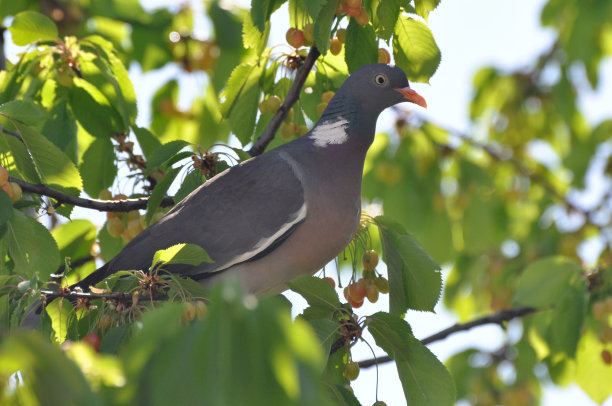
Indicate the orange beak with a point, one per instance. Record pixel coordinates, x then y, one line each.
412 96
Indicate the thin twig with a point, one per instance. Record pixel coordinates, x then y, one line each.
292 96
95 204
11 133
495 318
2 55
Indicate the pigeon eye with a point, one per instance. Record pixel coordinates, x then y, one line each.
380 79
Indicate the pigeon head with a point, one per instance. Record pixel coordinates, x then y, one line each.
355 107
379 86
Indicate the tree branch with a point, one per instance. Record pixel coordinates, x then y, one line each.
127 297
495 318
95 204
292 96
2 55
11 133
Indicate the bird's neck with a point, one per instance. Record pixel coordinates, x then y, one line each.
344 123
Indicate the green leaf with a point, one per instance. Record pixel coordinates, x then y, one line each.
93 110
327 332
313 7
98 166
99 369
24 111
342 396
22 158
227 27
423 7
241 100
31 247
316 291
361 46
388 12
415 50
116 74
251 36
277 361
54 167
414 277
147 141
188 254
61 313
545 281
6 208
192 287
50 377
568 319
424 378
160 192
163 153
323 25
261 11
192 181
30 26
235 83
61 127
114 338
75 238
593 375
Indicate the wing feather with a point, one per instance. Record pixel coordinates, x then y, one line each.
236 216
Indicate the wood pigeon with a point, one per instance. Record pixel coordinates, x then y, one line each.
286 212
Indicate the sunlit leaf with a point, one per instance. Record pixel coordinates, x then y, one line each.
61 313
415 50
31 247
189 254
46 371
425 379
30 26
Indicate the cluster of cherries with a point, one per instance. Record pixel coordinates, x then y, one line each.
125 225
305 37
368 286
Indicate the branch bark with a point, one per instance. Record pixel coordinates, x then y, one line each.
11 133
292 96
126 297
495 318
95 204
2 55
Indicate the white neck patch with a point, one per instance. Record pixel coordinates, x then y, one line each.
331 132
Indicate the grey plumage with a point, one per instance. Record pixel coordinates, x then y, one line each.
286 212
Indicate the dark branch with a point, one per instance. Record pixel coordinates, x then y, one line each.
2 55
126 297
95 204
11 133
495 318
292 96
